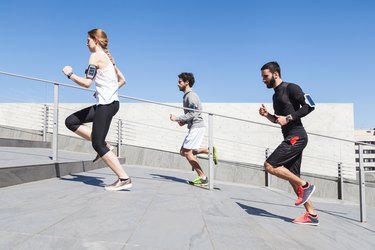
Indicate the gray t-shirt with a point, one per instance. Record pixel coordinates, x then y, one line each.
192 118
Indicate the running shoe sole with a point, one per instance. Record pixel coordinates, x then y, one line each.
307 223
127 186
194 184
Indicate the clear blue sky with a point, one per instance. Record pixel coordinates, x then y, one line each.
327 47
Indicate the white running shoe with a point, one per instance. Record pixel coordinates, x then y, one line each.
119 185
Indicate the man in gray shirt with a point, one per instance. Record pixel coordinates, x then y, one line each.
195 124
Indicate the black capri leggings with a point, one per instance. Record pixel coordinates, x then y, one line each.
101 117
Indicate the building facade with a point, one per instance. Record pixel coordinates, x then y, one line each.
366 136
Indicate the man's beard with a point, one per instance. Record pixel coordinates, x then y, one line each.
271 84
182 88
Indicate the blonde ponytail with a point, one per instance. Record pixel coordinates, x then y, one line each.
106 50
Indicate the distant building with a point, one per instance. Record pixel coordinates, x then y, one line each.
366 136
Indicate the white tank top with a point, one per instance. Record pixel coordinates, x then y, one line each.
106 84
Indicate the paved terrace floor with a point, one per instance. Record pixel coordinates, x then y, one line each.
162 212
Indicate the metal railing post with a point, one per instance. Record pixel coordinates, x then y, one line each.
362 185
267 177
119 137
55 122
340 182
45 122
210 146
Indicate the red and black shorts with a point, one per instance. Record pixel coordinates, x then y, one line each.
289 154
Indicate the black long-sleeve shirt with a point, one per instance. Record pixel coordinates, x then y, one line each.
289 99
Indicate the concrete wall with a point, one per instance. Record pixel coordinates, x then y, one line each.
148 125
229 171
241 173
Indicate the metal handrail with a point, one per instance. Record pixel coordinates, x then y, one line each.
179 107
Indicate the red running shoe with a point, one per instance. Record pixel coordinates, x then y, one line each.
307 219
304 194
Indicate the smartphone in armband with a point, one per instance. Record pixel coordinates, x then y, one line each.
309 101
91 71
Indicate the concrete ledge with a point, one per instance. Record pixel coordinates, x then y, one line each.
22 174
13 137
235 172
327 187
20 133
6 142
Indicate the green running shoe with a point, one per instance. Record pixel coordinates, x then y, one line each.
198 182
214 155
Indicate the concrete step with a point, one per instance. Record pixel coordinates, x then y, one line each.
7 142
21 164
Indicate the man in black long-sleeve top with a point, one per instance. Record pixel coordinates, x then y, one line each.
290 104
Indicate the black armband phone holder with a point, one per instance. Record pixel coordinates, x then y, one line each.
91 71
309 101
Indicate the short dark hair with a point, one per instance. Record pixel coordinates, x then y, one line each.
273 67
185 76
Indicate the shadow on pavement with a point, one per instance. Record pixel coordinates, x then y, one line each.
262 212
167 177
89 180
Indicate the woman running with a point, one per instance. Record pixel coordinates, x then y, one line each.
108 79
